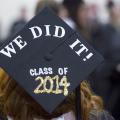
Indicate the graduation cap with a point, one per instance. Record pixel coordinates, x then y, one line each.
48 59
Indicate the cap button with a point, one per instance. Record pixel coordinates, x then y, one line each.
48 57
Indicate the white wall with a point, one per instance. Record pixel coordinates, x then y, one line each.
9 10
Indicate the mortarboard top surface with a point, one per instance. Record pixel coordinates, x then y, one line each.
48 59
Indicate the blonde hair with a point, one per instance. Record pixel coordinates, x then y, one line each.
19 105
89 100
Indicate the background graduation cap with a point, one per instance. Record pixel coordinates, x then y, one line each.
48 59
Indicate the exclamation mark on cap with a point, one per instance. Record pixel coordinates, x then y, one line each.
88 56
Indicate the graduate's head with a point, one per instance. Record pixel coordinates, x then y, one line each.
113 10
19 105
78 11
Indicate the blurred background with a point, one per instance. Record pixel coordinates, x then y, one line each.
98 21
10 11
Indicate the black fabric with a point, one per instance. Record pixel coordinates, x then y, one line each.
107 42
105 80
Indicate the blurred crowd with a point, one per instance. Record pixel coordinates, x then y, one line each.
105 38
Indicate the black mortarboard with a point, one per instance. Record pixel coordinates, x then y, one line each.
48 59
